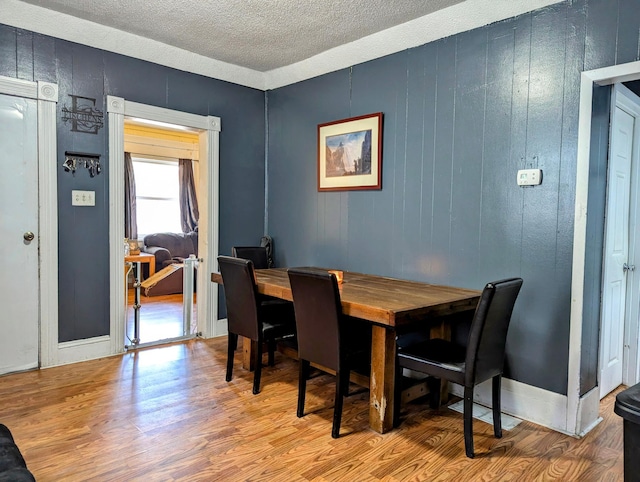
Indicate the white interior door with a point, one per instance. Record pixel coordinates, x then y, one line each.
19 292
616 251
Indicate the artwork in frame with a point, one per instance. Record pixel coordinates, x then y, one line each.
350 154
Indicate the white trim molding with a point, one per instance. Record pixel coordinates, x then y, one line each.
582 411
117 298
85 349
209 182
18 87
46 95
463 16
209 139
48 221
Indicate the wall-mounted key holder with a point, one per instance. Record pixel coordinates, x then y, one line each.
76 160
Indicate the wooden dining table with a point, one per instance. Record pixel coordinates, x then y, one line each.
389 304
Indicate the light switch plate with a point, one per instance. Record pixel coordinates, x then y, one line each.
83 198
529 177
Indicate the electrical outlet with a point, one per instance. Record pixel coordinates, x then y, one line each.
529 177
83 198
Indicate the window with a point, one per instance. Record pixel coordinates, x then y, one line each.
157 192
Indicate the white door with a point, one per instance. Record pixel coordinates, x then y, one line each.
19 295
616 251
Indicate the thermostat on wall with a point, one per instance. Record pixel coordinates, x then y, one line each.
529 177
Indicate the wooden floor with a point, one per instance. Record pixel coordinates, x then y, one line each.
166 413
161 317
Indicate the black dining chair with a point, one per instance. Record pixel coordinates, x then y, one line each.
479 358
248 317
325 335
257 254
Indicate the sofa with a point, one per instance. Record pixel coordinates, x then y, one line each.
169 248
13 468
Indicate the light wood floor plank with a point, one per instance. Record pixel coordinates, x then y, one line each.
166 413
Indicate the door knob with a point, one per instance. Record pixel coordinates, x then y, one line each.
628 267
28 236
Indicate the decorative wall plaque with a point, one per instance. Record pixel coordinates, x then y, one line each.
83 115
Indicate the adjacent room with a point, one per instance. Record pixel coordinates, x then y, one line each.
161 229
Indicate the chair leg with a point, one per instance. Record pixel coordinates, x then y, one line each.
468 421
302 386
497 421
231 348
258 370
342 380
435 387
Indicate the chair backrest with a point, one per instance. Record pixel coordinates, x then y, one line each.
257 254
488 332
316 302
241 296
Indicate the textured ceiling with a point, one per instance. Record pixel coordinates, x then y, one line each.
257 34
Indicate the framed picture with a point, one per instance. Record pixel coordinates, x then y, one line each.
350 154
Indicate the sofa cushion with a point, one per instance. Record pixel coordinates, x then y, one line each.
180 245
12 465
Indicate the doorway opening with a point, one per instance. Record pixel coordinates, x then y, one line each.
618 352
207 130
161 227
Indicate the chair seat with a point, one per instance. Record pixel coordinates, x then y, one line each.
437 353
275 330
277 319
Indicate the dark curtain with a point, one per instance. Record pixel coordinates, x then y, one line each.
189 214
130 215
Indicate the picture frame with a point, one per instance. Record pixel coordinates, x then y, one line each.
350 154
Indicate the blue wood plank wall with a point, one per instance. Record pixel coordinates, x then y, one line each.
83 232
461 116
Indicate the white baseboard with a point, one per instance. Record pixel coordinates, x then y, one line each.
588 412
81 350
17 369
219 328
523 401
101 346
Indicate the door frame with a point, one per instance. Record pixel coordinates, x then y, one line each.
209 127
46 95
582 411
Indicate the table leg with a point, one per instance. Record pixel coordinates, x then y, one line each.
381 402
249 349
443 331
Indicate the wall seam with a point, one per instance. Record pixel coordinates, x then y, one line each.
266 163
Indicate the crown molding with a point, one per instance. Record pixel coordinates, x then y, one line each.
443 23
